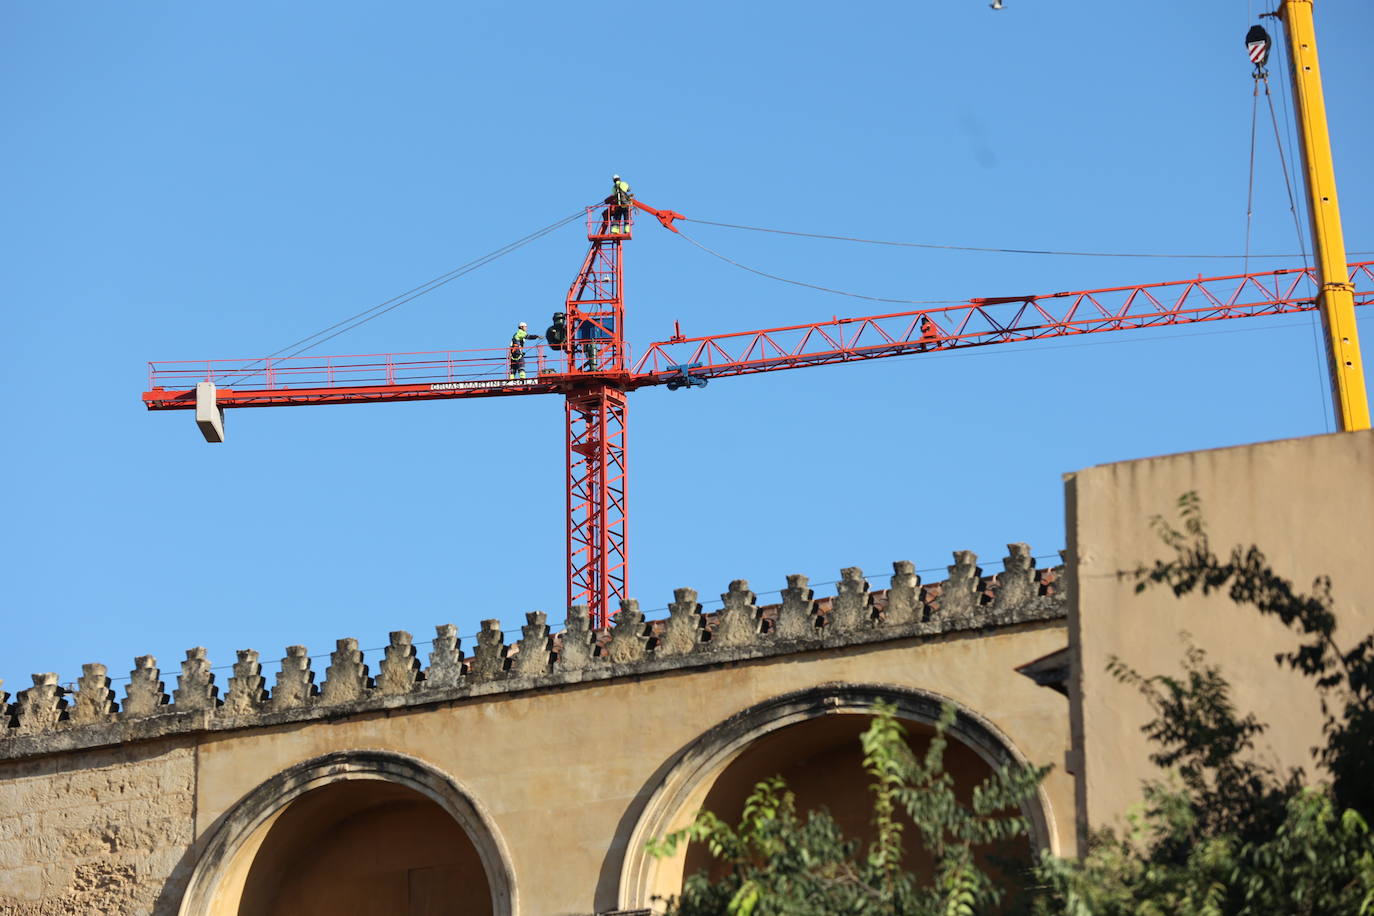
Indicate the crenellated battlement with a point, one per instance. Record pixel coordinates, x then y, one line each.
48 718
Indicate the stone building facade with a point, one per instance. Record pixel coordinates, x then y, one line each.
523 774
550 757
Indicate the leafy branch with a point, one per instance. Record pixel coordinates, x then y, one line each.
776 862
1344 678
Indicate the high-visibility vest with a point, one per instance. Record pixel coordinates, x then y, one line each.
623 194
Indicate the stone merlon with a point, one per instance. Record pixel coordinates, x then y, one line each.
40 719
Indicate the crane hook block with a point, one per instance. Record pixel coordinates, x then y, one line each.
209 415
1257 45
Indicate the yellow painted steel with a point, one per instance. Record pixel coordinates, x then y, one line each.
1337 293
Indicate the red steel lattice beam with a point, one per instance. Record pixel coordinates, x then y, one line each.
597 515
984 321
978 322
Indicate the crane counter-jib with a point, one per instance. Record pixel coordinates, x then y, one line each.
361 379
185 399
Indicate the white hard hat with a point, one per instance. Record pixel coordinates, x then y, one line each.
523 325
615 178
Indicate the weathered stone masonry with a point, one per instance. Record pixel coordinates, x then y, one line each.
117 829
43 720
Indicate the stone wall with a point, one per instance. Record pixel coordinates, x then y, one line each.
98 832
106 799
46 717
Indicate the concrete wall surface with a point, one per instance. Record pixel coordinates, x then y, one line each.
557 754
1307 503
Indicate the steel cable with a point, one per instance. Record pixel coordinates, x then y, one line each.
1323 393
381 308
1041 251
824 289
1250 186
1287 179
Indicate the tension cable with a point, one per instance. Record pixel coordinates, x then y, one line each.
354 321
824 289
1040 251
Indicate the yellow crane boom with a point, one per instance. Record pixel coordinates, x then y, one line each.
1337 294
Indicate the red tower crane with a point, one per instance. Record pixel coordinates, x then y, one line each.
593 373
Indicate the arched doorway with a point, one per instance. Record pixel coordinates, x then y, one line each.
365 847
361 832
822 761
811 738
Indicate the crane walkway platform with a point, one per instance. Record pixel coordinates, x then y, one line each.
358 378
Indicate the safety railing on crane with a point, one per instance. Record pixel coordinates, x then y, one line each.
358 370
609 221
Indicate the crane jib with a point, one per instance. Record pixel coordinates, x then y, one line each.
979 322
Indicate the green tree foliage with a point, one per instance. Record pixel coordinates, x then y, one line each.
776 861
1223 835
1201 738
1227 834
1344 678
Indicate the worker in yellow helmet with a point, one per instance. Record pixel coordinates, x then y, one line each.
618 203
516 356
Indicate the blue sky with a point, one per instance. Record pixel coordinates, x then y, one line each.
190 181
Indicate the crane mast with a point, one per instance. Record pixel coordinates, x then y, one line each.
596 411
